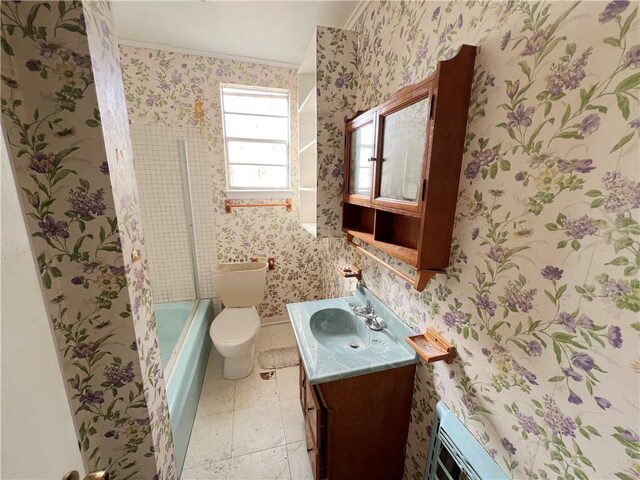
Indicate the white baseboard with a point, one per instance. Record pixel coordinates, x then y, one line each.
274 320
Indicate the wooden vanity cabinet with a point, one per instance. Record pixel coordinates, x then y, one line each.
357 427
407 210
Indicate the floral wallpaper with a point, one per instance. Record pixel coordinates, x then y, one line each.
336 86
63 111
177 89
542 293
105 57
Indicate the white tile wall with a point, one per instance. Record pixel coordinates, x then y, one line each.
156 151
201 171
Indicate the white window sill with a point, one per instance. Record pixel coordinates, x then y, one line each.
259 193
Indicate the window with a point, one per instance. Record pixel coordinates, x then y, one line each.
256 138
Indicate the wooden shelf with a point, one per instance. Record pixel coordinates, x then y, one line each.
398 229
405 254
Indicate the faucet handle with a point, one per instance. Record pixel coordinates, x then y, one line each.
360 309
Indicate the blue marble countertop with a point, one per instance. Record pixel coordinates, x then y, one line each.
386 348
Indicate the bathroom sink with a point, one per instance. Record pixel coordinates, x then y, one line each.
339 330
335 344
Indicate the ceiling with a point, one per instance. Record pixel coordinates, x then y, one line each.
269 31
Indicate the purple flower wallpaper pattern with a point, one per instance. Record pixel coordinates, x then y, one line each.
541 297
58 66
171 83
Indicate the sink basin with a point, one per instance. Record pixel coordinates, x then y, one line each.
335 344
339 330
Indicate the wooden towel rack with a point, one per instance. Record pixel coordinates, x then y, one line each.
228 205
419 282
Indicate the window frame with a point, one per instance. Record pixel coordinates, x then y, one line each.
256 192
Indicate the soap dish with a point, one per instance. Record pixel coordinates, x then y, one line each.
432 347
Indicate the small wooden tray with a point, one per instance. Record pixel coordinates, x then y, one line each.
432 347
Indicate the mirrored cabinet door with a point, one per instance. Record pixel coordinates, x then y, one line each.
404 137
361 161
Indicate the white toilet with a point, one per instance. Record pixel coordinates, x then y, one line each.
233 332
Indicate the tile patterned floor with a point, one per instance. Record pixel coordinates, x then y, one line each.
250 429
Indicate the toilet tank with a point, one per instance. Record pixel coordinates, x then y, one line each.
240 284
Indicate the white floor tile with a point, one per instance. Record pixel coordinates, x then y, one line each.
299 465
282 335
256 429
255 378
217 397
270 464
210 439
292 420
249 429
256 391
288 382
210 471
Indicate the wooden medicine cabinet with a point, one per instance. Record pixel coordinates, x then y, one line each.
402 169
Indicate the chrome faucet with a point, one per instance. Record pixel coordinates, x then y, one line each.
368 316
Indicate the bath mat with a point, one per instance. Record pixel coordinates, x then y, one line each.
278 358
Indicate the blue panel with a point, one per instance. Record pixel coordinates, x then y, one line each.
464 447
185 384
171 319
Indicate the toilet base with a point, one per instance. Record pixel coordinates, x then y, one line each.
235 368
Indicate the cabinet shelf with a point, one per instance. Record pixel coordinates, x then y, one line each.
405 254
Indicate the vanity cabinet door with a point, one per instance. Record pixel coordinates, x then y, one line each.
315 423
403 131
316 417
303 387
316 459
360 154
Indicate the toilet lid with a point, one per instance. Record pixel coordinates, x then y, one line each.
235 325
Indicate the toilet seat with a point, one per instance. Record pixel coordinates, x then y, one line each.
235 325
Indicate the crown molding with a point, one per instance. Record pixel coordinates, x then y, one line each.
204 53
355 15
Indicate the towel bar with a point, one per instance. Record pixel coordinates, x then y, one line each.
419 282
228 205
